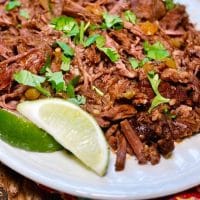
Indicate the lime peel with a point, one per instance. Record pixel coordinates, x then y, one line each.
72 127
21 133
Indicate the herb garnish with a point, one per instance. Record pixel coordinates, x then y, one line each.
156 51
90 40
47 64
130 16
12 4
66 61
79 100
24 13
27 78
56 79
158 99
134 63
67 50
168 114
169 4
112 21
110 52
66 24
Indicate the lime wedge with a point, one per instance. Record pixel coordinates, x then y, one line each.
20 132
73 128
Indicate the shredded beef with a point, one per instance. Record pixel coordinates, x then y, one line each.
121 106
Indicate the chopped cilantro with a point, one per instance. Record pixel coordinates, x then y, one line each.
27 78
75 81
134 63
168 114
94 27
47 64
70 90
70 87
66 24
111 53
112 21
83 29
169 4
67 50
24 13
130 16
97 90
12 4
158 99
156 51
81 36
144 61
66 61
90 40
78 100
56 80
100 41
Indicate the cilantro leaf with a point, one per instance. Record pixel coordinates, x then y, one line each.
156 51
75 81
169 114
27 78
111 53
134 63
112 21
100 41
12 4
90 40
70 90
158 99
67 50
47 64
144 61
70 87
43 90
169 4
56 79
66 61
24 13
130 16
78 100
66 24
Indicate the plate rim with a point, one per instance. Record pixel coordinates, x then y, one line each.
43 179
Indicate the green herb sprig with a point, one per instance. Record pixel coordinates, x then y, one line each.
158 99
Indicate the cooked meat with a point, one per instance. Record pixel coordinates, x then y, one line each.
174 18
121 153
134 141
176 76
140 79
119 112
149 9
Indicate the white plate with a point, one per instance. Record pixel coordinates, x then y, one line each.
63 173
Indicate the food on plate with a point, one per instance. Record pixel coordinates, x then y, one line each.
132 65
73 128
22 133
